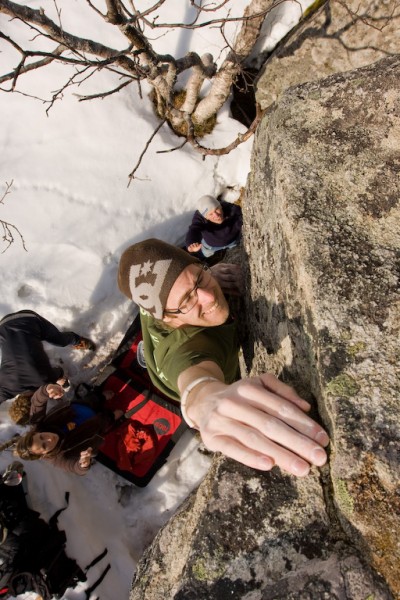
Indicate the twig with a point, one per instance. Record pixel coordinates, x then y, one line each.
95 8
8 235
132 174
9 228
104 94
213 8
139 15
194 25
172 149
59 93
8 188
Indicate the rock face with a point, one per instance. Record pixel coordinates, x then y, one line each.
321 244
323 238
341 36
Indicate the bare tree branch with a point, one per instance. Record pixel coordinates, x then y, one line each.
92 6
191 111
132 173
114 12
146 12
7 191
70 41
194 25
212 8
9 229
104 94
172 149
242 137
226 75
59 93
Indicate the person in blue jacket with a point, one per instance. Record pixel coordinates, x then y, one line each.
216 225
69 435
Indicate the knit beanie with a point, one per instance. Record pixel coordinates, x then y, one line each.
207 204
148 270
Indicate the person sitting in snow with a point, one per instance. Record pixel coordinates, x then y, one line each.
24 364
215 226
191 350
136 442
69 435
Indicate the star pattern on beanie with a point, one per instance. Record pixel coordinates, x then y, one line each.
147 280
147 267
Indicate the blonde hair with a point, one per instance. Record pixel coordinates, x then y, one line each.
20 408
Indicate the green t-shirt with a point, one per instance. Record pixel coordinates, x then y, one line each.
169 351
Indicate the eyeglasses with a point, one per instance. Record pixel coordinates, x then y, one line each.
191 298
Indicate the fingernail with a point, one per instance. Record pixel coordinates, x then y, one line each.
265 463
322 438
300 468
318 457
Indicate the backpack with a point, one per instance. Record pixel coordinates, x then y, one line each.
139 443
13 516
33 552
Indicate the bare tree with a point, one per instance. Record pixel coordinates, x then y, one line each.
189 110
9 230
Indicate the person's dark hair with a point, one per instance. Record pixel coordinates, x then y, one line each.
24 445
9 443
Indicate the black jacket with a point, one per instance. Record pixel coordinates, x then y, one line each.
24 364
214 234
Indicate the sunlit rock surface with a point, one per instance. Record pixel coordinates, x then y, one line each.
321 253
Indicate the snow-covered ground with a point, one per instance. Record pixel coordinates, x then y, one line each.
70 201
